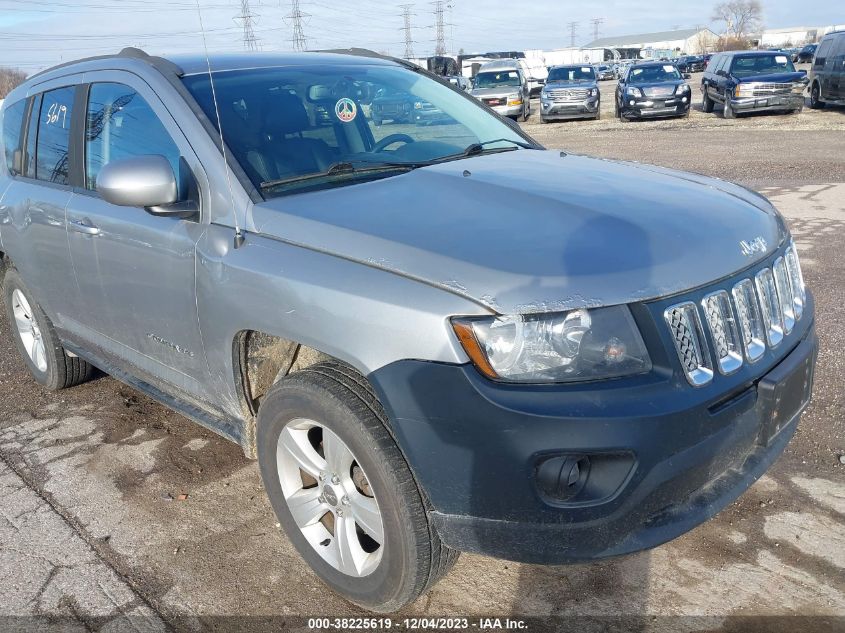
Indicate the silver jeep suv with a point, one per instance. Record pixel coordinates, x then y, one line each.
433 338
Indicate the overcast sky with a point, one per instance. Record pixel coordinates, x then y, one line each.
38 33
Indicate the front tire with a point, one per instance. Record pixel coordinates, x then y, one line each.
728 111
343 491
37 341
707 103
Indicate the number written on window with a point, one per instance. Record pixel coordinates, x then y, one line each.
57 113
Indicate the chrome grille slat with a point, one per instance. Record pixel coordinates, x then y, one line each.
769 306
569 94
784 288
685 326
719 315
750 320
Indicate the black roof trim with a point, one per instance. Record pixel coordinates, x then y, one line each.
159 63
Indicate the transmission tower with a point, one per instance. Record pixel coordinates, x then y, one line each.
246 19
296 17
440 26
409 41
573 30
597 22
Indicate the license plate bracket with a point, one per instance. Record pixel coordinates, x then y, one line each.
784 393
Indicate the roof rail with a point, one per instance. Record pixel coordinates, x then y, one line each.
162 65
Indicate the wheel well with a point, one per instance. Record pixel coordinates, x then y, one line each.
264 359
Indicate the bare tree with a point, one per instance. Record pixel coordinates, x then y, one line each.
9 79
741 17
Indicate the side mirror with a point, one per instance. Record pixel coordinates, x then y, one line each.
803 72
143 181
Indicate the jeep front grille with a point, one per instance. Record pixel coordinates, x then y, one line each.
741 323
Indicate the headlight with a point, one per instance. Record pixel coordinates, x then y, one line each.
562 347
634 92
682 89
514 99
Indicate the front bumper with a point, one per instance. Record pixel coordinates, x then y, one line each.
763 104
656 107
679 454
508 110
555 110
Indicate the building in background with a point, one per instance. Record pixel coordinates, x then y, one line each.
682 41
796 35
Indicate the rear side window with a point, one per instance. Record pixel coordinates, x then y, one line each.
823 51
121 124
12 126
52 151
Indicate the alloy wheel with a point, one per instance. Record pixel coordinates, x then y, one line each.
329 497
28 330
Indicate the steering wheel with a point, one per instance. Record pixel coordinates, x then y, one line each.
387 141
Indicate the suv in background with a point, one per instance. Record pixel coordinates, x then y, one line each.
652 89
571 92
753 81
805 55
502 86
827 74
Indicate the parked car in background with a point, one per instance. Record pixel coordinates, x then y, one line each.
571 92
805 55
396 106
461 82
691 63
652 89
827 74
753 81
604 72
430 345
502 86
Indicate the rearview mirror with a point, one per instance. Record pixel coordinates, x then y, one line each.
142 181
319 93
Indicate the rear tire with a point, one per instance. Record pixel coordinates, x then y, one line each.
410 558
36 339
598 112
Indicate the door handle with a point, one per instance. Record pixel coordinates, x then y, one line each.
81 226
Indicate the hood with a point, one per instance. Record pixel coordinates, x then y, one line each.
533 231
658 84
501 91
586 83
774 78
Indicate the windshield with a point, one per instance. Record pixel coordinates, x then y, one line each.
654 74
294 123
750 65
572 73
497 79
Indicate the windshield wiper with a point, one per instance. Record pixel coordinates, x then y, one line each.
477 148
339 169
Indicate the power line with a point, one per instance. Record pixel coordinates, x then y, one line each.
409 41
246 18
440 26
596 22
296 17
573 30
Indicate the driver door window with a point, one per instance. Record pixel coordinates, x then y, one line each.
120 124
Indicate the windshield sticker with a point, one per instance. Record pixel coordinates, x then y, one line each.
637 71
781 59
586 69
346 110
669 69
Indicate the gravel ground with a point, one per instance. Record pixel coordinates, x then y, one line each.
92 532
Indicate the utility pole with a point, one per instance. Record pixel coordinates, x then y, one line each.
440 26
409 40
296 17
246 19
597 22
573 29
